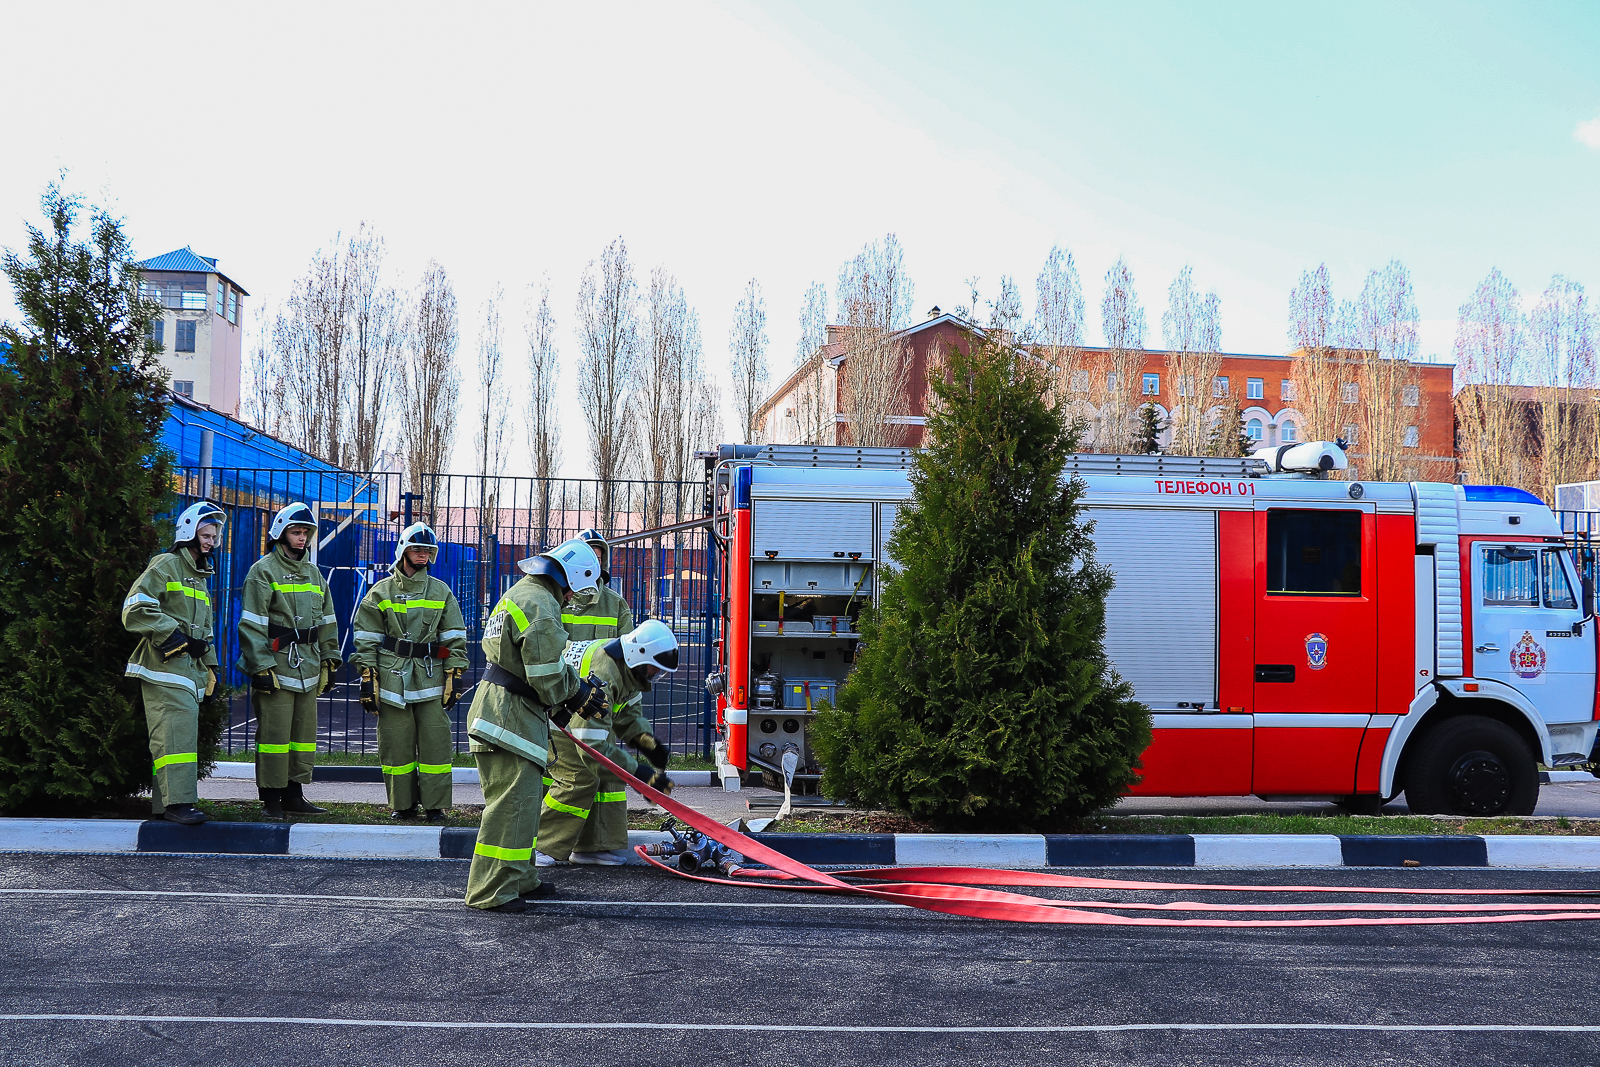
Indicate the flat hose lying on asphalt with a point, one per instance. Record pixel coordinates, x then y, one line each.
956 890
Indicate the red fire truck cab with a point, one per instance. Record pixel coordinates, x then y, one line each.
1293 635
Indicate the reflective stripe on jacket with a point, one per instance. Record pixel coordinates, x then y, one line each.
171 594
289 593
523 636
419 608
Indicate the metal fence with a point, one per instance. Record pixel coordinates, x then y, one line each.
484 526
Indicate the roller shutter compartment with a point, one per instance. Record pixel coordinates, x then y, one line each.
806 529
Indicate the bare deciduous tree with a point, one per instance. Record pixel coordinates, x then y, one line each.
665 373
608 337
1386 336
493 413
1115 392
1562 344
1318 365
747 358
874 303
1491 337
266 387
433 385
544 428
1191 328
376 342
309 338
816 399
1058 320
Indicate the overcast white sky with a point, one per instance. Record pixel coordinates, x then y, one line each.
770 140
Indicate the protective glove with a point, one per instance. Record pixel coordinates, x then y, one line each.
330 667
653 777
369 690
590 700
175 645
452 688
197 649
652 749
560 716
211 681
265 682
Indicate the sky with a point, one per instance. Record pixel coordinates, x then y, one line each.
735 140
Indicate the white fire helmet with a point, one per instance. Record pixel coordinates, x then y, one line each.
602 551
572 564
296 514
652 643
196 515
417 535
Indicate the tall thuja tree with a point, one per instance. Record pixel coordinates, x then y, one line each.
983 696
81 474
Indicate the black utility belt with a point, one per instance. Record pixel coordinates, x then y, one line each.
498 675
416 649
284 636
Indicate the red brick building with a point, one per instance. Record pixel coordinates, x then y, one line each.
1260 385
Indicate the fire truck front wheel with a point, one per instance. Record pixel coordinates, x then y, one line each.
1474 766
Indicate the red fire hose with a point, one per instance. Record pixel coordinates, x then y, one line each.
958 890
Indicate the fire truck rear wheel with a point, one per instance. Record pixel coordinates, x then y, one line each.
1472 766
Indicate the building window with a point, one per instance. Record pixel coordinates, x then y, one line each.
158 331
185 336
1080 381
1349 435
1254 388
222 295
1111 381
1252 429
184 389
1219 385
1286 389
1290 433
1152 384
1185 385
233 306
1348 392
1411 395
1412 437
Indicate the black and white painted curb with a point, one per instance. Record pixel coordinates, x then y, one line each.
324 772
337 841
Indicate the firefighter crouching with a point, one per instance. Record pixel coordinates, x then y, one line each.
627 665
169 609
411 646
289 646
528 685
586 806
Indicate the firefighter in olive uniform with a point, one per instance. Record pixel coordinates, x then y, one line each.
586 806
411 646
169 609
289 646
528 685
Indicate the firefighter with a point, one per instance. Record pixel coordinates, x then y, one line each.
586 807
528 685
411 647
169 610
289 646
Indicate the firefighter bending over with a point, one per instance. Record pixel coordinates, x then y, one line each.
289 646
411 646
169 610
528 685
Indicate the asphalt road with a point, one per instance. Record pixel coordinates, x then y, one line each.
389 944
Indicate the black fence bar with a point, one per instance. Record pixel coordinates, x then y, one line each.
484 525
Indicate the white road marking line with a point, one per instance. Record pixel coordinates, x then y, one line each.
453 901
1085 1028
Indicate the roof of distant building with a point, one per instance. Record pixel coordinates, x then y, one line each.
185 261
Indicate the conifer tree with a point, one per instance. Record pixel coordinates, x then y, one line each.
982 697
1151 425
81 474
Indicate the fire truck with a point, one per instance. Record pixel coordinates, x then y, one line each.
1294 635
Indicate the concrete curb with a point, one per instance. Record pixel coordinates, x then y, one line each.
1265 851
333 772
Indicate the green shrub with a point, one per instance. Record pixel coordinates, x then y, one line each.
982 697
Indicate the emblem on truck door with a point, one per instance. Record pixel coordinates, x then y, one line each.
1316 651
1527 658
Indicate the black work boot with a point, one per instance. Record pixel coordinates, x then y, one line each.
542 891
185 815
435 815
271 804
510 907
295 802
408 813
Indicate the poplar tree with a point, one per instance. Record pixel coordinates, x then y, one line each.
81 475
982 697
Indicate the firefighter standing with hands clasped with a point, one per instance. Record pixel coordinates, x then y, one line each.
585 819
289 646
411 646
169 609
528 686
